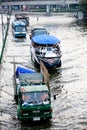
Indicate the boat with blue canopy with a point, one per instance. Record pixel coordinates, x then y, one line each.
47 49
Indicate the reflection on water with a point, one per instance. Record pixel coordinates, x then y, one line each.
69 82
80 25
36 125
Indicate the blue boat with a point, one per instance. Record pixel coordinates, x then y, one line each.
47 49
18 29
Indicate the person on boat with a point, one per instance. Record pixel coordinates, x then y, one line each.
37 49
25 99
56 48
44 97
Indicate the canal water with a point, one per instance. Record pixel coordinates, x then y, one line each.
69 82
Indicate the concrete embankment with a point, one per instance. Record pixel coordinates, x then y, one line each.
4 25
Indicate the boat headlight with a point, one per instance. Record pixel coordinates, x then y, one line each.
46 113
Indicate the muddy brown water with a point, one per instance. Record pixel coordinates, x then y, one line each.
69 81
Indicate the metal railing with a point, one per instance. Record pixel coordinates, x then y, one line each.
71 1
27 0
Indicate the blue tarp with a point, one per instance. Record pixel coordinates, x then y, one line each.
22 69
45 39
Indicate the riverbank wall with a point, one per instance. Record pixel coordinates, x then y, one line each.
4 26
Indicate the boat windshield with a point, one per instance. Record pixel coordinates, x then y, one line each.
22 19
20 29
35 98
39 32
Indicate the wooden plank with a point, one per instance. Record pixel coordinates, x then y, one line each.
44 71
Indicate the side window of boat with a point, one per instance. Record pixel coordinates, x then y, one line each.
49 48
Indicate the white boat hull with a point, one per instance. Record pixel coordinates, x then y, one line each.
50 59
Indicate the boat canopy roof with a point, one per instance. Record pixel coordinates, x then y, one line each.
18 23
38 28
22 69
34 88
45 40
21 16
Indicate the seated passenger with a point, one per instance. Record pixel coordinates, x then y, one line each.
44 97
25 99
